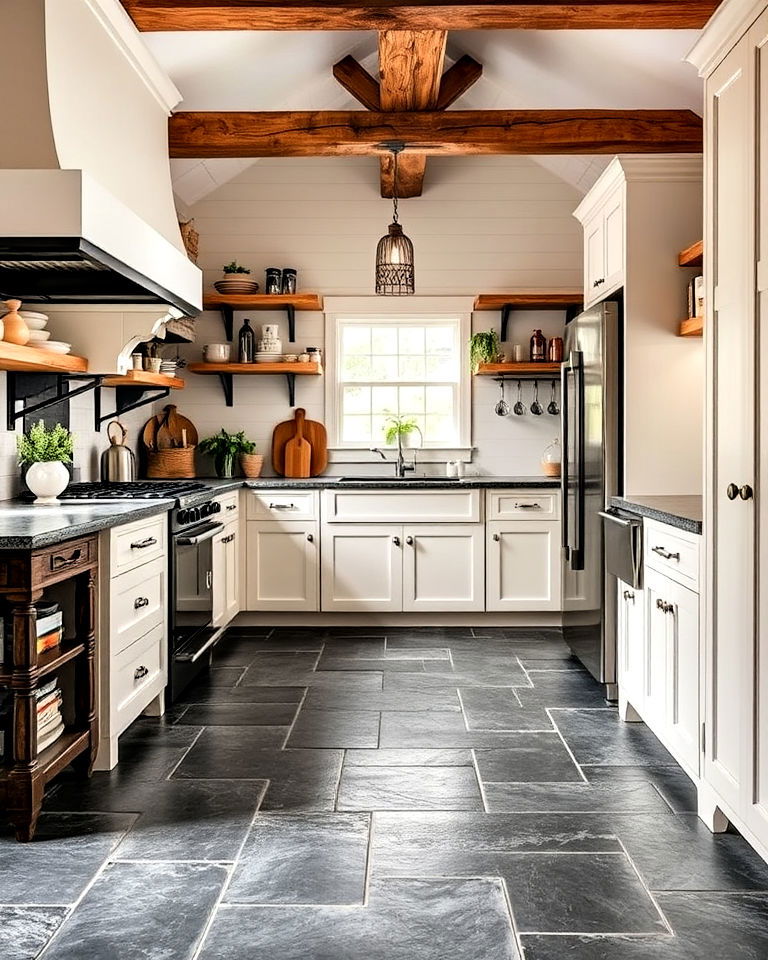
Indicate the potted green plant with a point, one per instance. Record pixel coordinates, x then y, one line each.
400 431
236 280
45 452
484 347
224 448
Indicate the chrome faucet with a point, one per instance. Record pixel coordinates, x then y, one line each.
401 467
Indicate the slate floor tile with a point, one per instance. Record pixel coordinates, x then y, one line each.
409 788
536 758
405 920
562 688
627 797
280 669
340 682
367 648
244 694
490 708
65 855
283 642
239 714
673 784
335 728
436 729
579 893
381 664
475 670
190 819
434 699
24 931
599 737
138 911
408 758
236 651
315 858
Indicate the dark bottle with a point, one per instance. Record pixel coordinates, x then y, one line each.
538 346
246 352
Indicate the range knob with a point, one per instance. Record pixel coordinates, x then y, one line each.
182 516
216 507
194 514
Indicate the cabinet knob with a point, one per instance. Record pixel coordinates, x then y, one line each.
731 491
628 595
396 541
310 538
409 541
496 537
746 492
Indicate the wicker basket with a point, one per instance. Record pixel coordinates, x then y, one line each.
251 464
175 464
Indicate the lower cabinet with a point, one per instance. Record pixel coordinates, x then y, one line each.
362 567
443 567
226 575
631 645
523 565
282 569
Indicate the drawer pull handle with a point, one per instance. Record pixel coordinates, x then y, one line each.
140 602
628 595
664 606
282 506
141 544
58 561
232 506
527 506
496 537
140 672
665 554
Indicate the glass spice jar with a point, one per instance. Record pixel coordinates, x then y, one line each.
272 282
538 347
288 282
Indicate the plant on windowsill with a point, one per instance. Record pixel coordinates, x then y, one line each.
225 447
45 452
484 347
236 280
400 429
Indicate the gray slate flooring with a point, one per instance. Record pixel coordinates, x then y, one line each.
412 794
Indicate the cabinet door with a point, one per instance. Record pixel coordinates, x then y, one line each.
362 567
523 565
219 579
281 566
594 259
613 232
655 667
682 723
232 579
631 645
444 567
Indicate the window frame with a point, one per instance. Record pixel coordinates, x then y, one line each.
382 310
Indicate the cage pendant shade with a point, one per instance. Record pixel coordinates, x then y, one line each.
394 264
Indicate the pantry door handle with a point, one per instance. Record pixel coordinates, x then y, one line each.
746 492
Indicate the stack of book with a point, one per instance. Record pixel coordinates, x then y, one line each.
50 626
50 723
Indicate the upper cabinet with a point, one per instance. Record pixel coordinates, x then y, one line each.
604 248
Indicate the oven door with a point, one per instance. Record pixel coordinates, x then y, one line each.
192 595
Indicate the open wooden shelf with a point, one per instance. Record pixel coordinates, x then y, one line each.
51 660
529 301
32 360
543 370
692 256
226 371
228 303
143 378
692 327
61 753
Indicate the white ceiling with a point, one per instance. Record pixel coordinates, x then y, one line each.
558 69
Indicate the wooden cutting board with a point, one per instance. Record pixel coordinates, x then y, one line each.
298 452
174 423
314 433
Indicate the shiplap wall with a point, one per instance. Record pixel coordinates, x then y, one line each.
483 225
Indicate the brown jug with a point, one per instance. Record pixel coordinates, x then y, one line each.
15 327
538 346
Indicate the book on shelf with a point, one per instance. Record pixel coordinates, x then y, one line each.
50 737
47 688
50 631
50 723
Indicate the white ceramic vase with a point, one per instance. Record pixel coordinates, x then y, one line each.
47 481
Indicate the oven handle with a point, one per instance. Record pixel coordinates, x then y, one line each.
193 657
207 534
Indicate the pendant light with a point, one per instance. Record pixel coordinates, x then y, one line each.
394 253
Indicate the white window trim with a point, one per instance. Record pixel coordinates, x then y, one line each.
397 309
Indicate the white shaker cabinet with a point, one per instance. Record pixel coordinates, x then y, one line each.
226 562
362 567
443 567
282 565
631 650
523 565
604 248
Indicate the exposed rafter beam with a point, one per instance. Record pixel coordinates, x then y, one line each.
410 70
457 80
418 14
356 80
453 133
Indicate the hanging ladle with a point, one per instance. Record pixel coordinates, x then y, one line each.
519 407
552 406
536 407
502 407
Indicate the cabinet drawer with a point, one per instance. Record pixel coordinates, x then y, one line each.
394 506
672 552
138 601
229 505
523 504
137 543
282 505
137 677
67 558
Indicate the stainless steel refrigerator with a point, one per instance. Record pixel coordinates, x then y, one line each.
590 476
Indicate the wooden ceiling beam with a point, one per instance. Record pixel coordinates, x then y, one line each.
356 80
457 80
419 14
453 133
410 70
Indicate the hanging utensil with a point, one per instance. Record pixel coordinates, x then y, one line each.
536 407
502 407
552 406
519 407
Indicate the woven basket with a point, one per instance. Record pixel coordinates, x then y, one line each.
251 464
171 464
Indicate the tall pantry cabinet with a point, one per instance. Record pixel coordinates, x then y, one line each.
731 56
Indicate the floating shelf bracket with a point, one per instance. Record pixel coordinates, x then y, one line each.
126 399
571 311
227 386
228 319
63 394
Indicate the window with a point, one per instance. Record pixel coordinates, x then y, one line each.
409 366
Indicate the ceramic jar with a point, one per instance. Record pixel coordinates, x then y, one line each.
15 327
47 480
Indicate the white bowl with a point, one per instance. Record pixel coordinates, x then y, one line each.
54 346
37 336
34 321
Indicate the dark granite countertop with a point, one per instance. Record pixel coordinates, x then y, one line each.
683 512
410 483
23 526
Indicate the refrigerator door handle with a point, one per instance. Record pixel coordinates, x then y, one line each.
564 464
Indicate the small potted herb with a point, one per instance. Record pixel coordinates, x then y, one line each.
484 347
225 448
236 280
45 452
400 431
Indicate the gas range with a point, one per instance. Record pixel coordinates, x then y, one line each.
134 490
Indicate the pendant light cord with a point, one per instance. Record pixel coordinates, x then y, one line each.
394 186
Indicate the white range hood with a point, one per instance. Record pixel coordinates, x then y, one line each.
86 204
